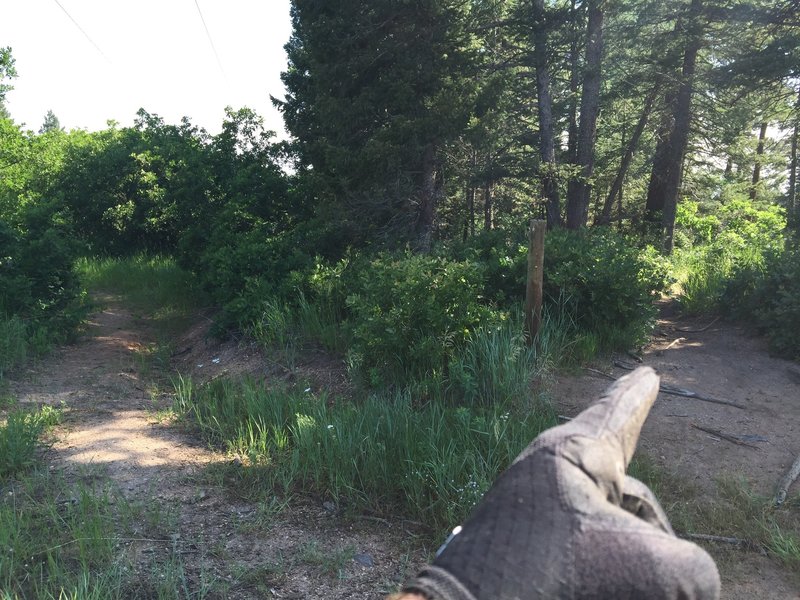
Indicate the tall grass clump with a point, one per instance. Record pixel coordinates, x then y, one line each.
58 549
19 439
387 453
497 367
151 284
15 344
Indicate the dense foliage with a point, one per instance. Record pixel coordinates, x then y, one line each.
391 226
40 297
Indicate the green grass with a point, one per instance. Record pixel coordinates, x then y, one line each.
736 511
20 341
387 453
20 438
330 561
152 285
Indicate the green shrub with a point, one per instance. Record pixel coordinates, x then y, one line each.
410 313
41 302
607 282
740 238
503 256
768 293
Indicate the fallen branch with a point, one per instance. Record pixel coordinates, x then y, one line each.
675 341
623 365
634 356
676 391
716 538
787 481
668 389
601 373
724 436
701 330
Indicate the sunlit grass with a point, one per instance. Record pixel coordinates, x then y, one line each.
386 453
153 285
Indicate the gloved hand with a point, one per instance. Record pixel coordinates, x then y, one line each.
564 521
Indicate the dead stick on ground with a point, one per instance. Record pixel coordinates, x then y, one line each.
714 538
601 373
674 391
788 480
701 330
724 436
675 341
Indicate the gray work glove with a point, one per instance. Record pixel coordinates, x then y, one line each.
564 521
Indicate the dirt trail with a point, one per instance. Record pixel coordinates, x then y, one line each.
231 548
110 429
228 547
723 362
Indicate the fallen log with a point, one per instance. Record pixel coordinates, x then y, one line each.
674 391
786 482
724 436
675 341
701 330
715 538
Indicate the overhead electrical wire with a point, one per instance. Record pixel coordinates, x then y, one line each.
86 35
210 40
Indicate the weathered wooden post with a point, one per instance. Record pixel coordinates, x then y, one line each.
533 287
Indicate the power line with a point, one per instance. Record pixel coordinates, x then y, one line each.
210 41
91 41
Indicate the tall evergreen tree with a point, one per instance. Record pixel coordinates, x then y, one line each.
375 92
50 123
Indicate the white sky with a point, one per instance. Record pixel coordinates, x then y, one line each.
153 54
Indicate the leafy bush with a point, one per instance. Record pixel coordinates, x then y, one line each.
410 312
769 293
606 280
40 297
502 255
601 279
740 238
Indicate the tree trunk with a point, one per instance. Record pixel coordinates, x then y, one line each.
762 135
547 150
667 170
428 196
654 205
580 187
488 208
792 203
469 224
627 157
574 86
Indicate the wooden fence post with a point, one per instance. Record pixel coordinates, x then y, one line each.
533 287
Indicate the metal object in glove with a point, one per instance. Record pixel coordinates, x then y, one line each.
565 521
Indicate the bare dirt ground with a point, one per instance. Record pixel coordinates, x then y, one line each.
728 363
238 549
227 546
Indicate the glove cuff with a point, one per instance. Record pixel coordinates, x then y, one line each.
437 584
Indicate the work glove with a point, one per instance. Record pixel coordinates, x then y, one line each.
564 521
